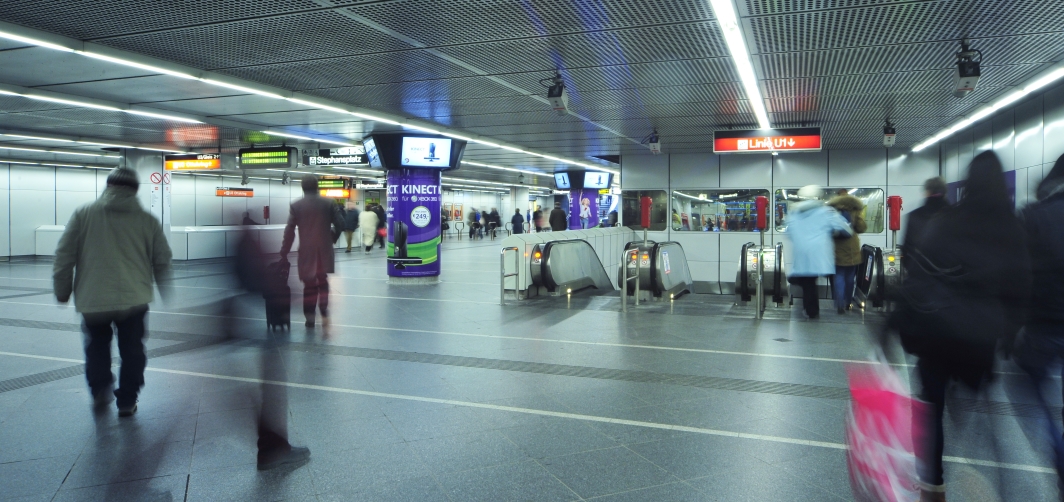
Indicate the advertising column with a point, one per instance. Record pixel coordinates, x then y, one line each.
414 201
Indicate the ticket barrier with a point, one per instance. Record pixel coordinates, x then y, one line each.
880 275
661 268
567 266
761 275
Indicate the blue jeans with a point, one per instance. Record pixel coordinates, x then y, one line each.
844 284
583 222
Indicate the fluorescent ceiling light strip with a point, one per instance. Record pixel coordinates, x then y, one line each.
374 118
142 66
72 102
307 138
724 11
492 166
422 129
988 110
62 152
241 88
317 105
34 41
162 116
23 136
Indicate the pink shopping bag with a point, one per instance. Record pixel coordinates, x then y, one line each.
880 434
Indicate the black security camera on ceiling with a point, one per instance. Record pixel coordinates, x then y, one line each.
968 72
556 95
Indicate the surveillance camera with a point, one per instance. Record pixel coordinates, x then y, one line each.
889 134
521 179
244 178
284 179
559 99
654 144
968 72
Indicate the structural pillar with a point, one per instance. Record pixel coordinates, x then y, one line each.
518 200
154 191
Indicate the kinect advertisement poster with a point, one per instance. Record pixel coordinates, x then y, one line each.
414 199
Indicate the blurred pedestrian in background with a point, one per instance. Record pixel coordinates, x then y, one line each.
350 224
811 225
934 201
558 220
965 294
367 223
1041 345
382 221
847 248
320 223
517 222
108 256
537 219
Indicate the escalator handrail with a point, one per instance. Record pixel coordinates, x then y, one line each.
744 295
881 278
548 280
777 292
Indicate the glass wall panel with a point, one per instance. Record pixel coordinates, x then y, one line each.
659 208
873 199
714 210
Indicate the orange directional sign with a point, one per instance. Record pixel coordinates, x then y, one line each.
768 140
234 192
193 162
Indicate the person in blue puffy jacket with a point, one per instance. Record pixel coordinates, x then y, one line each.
811 226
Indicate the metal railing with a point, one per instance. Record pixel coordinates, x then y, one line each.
625 278
503 275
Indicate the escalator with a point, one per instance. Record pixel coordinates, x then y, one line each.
567 266
662 269
879 275
774 279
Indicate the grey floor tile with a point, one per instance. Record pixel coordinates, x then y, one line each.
518 482
31 478
467 451
602 472
330 435
751 482
696 455
245 482
351 470
217 452
161 489
421 489
673 492
558 437
132 459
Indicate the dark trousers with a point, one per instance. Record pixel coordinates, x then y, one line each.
316 296
273 410
933 380
379 239
99 328
844 284
810 296
1040 347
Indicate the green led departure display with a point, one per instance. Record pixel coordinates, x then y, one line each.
284 157
329 183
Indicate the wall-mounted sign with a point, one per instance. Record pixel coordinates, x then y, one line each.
370 186
335 193
604 191
263 158
192 162
234 192
768 140
332 183
337 157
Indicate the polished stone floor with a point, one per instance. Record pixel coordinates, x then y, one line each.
439 393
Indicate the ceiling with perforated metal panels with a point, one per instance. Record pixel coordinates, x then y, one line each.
475 67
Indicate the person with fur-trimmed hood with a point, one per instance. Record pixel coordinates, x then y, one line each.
847 248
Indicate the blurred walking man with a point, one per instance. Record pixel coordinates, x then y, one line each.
320 224
108 257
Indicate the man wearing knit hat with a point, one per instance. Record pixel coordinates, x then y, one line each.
320 224
109 255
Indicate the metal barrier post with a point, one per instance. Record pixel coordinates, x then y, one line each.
625 278
503 275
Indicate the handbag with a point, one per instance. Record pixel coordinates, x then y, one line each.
382 232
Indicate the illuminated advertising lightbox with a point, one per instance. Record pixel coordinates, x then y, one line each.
426 152
595 180
268 158
335 193
193 162
768 140
561 181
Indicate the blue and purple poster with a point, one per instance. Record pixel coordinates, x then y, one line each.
414 202
583 209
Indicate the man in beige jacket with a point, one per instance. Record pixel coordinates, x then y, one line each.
109 255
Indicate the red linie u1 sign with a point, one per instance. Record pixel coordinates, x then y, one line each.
806 139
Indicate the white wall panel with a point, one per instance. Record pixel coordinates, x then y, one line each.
1004 139
854 168
1028 140
1021 189
1035 175
31 209
800 169
208 204
731 243
32 178
182 210
75 180
910 168
101 180
233 210
699 246
965 154
750 170
182 184
644 171
1053 124
206 245
982 137
5 212
67 202
5 177
694 170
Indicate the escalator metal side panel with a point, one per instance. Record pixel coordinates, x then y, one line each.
670 275
572 264
743 288
645 269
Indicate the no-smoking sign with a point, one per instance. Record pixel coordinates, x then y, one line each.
156 178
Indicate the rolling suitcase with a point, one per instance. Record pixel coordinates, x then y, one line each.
278 296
